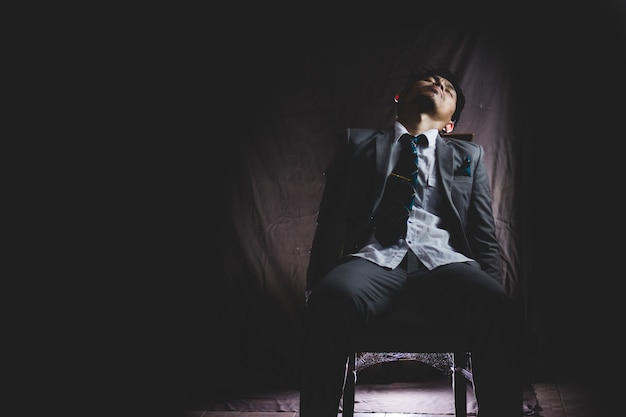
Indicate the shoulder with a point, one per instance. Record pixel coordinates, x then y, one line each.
461 143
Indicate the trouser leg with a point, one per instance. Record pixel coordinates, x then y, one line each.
459 297
347 297
468 302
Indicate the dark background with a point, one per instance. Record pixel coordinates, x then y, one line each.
202 321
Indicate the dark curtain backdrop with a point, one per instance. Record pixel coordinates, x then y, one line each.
241 173
350 80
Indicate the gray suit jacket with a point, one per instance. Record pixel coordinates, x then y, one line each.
355 182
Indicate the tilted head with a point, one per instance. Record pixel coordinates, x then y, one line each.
434 76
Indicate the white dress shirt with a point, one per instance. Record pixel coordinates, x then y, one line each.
424 236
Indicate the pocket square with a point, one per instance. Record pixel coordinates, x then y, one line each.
465 169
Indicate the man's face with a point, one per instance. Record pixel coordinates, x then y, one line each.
434 94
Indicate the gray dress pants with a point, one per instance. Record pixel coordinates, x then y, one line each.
458 296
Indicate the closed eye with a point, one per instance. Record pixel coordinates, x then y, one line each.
447 85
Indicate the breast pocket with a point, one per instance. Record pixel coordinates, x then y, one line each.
461 181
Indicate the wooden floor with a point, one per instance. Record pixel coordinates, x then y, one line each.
554 400
564 400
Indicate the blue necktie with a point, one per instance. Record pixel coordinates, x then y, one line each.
399 195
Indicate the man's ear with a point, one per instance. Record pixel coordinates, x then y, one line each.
449 127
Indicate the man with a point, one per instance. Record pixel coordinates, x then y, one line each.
440 247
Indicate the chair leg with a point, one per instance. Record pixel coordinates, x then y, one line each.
458 384
348 390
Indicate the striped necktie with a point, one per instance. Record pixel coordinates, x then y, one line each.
400 192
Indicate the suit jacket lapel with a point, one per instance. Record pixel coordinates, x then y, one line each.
384 142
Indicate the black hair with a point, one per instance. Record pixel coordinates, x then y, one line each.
425 71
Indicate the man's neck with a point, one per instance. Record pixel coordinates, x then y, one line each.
416 127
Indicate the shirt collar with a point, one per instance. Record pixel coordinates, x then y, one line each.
430 134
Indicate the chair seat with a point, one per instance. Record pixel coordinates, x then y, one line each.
406 341
396 333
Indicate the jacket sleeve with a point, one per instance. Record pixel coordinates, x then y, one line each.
480 225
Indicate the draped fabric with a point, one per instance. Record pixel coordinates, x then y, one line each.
350 80
213 140
304 87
